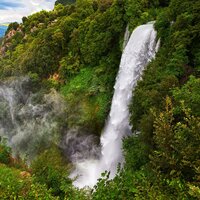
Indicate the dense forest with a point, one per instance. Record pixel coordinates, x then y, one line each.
76 49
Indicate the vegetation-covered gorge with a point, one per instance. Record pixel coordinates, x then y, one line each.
76 49
162 161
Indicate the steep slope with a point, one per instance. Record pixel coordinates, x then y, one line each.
78 45
162 161
76 50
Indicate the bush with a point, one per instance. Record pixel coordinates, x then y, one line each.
5 153
49 168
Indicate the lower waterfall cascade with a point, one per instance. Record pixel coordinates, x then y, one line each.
138 52
29 120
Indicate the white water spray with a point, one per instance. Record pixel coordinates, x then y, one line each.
139 51
28 120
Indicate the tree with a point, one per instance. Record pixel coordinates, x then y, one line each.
65 2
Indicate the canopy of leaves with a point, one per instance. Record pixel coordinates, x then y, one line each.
76 48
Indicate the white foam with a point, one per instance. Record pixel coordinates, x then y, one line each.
139 51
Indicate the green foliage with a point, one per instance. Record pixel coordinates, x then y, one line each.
88 99
50 169
139 12
174 63
65 42
172 169
14 186
135 153
97 41
162 161
80 44
65 2
177 149
12 26
5 152
190 94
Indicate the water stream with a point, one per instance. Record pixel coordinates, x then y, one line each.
29 120
139 51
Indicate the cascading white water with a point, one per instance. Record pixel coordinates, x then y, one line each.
126 37
139 51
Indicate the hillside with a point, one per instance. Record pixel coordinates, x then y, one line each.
65 2
70 57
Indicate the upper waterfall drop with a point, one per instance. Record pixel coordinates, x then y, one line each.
139 51
126 37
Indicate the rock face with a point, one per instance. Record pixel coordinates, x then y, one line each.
3 51
6 40
25 174
10 34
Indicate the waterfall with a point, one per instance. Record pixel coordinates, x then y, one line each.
126 37
28 120
138 52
